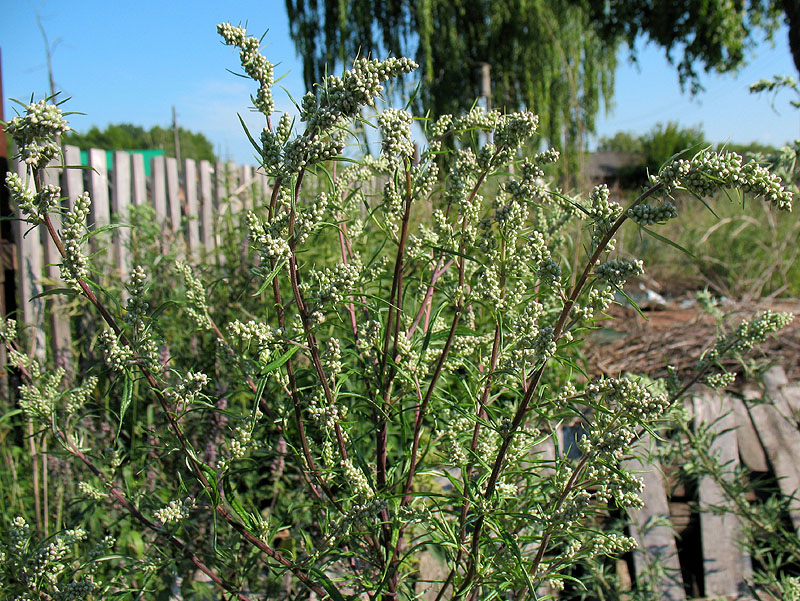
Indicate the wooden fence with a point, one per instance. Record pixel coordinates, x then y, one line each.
187 199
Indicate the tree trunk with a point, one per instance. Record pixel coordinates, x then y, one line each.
792 10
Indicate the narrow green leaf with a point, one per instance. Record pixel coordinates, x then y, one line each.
127 396
276 363
56 291
327 584
247 133
278 266
671 243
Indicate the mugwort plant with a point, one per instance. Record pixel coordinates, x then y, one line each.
385 389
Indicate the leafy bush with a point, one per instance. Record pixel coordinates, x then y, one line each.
322 421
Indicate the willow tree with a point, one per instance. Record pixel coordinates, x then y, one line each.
545 56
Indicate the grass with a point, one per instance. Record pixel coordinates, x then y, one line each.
742 250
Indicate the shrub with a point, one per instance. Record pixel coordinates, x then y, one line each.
352 410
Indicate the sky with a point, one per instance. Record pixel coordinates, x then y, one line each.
131 62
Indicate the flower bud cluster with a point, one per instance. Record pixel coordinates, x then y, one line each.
8 330
116 354
324 414
514 130
458 426
749 334
188 389
335 283
77 397
342 97
710 171
720 380
264 239
618 271
647 214
196 303
74 265
38 398
394 125
176 511
34 133
90 492
357 481
531 184
309 150
255 65
630 404
603 212
24 198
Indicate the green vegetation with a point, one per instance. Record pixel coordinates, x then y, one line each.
346 390
126 136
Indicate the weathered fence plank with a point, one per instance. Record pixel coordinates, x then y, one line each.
247 186
158 186
60 330
173 194
750 448
29 279
73 178
120 203
725 565
656 557
139 191
781 441
192 205
206 207
100 215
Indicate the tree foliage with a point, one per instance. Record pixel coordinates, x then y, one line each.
544 55
713 35
126 136
656 147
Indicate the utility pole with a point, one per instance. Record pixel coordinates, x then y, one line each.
176 137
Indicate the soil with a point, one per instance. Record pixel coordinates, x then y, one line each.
677 332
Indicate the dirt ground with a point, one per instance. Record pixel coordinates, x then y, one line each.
679 331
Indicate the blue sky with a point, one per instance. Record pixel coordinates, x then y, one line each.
132 61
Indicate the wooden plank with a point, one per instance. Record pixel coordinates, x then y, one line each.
650 526
60 330
781 441
264 190
247 187
192 205
725 566
100 214
30 256
750 449
206 207
73 178
120 203
173 195
159 185
225 184
139 191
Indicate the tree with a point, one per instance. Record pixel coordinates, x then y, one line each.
544 55
655 148
126 136
714 35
